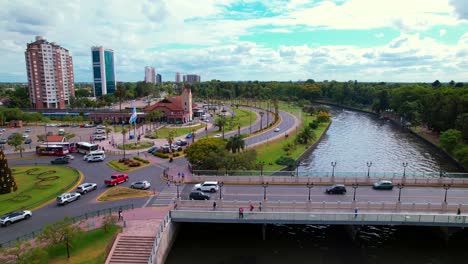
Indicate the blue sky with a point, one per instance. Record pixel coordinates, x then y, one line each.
281 40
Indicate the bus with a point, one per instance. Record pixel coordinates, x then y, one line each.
71 146
85 147
52 150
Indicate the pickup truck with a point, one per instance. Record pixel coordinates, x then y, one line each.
116 179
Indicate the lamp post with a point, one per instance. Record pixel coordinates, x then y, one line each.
261 163
446 187
250 127
265 186
310 185
355 186
177 184
404 164
369 164
221 184
261 119
400 186
123 134
333 164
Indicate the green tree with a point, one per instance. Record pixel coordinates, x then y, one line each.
206 153
108 222
7 181
17 142
23 252
235 144
306 135
120 94
450 139
61 232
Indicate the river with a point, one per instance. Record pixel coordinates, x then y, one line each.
355 138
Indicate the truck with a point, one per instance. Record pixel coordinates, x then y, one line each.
116 179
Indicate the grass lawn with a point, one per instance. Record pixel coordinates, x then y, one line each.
118 193
139 145
242 117
179 131
120 166
89 248
37 185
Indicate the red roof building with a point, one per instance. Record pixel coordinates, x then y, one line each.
177 109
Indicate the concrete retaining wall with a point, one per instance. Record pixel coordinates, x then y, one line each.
165 243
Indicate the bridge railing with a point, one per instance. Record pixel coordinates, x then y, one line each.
294 206
324 180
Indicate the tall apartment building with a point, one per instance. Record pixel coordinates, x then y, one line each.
177 77
50 74
103 71
158 79
191 78
150 74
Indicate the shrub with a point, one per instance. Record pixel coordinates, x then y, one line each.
323 117
286 161
314 124
161 155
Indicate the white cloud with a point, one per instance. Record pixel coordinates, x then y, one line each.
379 35
442 32
460 8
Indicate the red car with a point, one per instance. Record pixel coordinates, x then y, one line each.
116 179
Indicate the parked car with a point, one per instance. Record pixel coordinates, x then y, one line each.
383 185
153 149
2 129
66 198
3 140
28 141
199 195
116 179
74 125
217 136
89 125
27 130
208 186
144 185
99 131
86 187
101 127
60 160
49 133
336 189
99 137
277 129
189 135
181 142
10 218
25 135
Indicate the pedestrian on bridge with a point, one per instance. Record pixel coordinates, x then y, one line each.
260 206
214 205
458 211
355 212
251 207
241 212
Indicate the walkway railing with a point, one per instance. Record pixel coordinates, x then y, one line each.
75 219
157 240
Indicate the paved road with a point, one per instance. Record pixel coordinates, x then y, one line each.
363 194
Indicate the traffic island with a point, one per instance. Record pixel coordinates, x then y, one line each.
118 193
128 164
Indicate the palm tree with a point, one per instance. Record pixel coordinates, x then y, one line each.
120 94
235 144
124 132
170 139
306 135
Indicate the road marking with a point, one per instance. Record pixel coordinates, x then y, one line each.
147 201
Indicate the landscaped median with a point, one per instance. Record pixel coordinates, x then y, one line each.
118 193
37 185
138 145
128 164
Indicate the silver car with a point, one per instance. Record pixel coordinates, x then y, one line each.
144 185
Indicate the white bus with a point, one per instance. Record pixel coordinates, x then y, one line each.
85 147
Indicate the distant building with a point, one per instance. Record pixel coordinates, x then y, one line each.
191 78
50 74
158 79
103 71
178 109
177 77
150 74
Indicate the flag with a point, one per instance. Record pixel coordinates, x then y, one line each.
133 117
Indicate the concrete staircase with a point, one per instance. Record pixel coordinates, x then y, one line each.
131 249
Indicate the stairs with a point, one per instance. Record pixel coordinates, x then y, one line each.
131 249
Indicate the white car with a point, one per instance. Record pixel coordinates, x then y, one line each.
25 135
277 129
99 137
217 136
27 130
100 127
89 125
70 157
144 185
100 131
208 186
66 198
86 187
12 217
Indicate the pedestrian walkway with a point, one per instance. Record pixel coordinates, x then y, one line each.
167 196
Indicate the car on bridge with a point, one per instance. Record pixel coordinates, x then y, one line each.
383 185
208 186
12 217
336 189
198 195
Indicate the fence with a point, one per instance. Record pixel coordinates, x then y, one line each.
154 249
75 219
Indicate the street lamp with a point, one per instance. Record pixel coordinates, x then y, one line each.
355 186
310 185
333 164
123 134
177 184
400 186
369 164
221 184
446 187
265 186
261 163
405 164
261 119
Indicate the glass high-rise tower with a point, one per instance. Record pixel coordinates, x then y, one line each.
103 71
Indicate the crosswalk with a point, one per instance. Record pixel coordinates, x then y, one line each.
167 196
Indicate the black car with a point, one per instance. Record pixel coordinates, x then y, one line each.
60 160
199 195
336 189
153 149
28 141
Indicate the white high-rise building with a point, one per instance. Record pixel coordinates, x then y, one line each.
150 74
50 74
103 71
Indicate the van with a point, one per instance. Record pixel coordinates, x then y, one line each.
61 132
95 156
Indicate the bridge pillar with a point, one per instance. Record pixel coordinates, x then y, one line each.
352 231
264 232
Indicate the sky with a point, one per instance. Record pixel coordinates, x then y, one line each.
241 40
